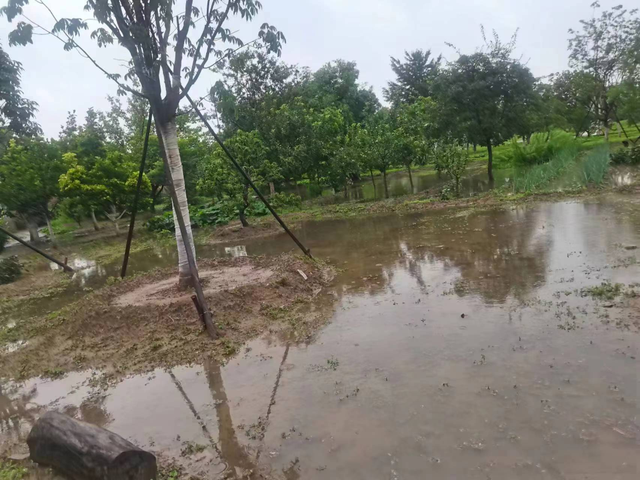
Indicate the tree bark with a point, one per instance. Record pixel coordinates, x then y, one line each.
96 227
245 205
272 188
169 136
475 147
490 164
32 226
52 236
386 187
410 177
83 451
373 182
606 132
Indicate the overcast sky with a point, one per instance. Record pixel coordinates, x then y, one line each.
365 31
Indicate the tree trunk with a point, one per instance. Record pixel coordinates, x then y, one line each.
475 147
606 132
346 192
272 188
96 227
169 138
83 451
156 190
410 177
52 236
32 226
373 182
386 187
490 165
245 205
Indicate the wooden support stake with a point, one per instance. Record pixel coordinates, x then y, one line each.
64 265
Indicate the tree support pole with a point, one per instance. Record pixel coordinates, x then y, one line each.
134 210
305 250
207 317
64 266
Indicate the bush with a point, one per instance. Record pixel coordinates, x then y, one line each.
528 179
10 270
627 156
541 149
161 223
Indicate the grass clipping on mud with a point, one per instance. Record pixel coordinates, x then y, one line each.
120 333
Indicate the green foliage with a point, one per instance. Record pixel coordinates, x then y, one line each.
285 201
596 165
532 178
452 159
605 291
541 148
161 223
10 270
414 77
3 240
627 156
16 112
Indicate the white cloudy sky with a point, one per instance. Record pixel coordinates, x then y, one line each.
317 31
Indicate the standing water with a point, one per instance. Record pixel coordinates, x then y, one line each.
463 345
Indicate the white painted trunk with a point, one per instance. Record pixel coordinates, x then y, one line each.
170 140
52 237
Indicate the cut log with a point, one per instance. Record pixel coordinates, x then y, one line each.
83 451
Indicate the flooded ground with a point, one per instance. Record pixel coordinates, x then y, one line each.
474 183
463 345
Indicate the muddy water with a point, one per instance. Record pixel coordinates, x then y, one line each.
459 348
399 184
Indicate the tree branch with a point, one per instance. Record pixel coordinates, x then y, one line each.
177 64
193 77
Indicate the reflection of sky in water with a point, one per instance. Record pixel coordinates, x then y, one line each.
83 269
237 251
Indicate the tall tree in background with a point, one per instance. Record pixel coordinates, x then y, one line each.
606 50
488 93
16 112
414 77
171 42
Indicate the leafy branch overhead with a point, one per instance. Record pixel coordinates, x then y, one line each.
164 42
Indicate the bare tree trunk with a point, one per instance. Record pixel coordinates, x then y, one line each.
490 164
245 205
386 187
410 177
96 227
606 132
169 136
475 147
272 188
52 236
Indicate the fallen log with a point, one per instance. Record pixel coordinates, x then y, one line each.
83 451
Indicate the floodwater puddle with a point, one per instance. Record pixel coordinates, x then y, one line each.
464 344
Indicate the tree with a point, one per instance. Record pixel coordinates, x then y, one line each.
452 159
152 31
606 50
29 171
106 184
414 77
222 180
381 144
16 112
487 94
574 91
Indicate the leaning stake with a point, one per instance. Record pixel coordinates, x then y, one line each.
66 267
305 250
134 210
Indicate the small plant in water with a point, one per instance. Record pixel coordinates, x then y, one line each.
333 363
53 373
605 291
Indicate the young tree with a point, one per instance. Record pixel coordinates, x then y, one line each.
488 93
606 50
170 42
382 143
452 159
29 172
106 184
414 77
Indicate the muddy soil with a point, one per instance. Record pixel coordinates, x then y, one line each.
469 343
144 322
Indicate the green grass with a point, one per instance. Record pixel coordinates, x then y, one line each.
596 166
529 179
11 471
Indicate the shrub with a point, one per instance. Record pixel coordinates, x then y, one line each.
527 179
627 156
161 223
10 270
541 149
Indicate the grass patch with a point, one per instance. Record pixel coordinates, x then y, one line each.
534 178
596 166
604 291
11 471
